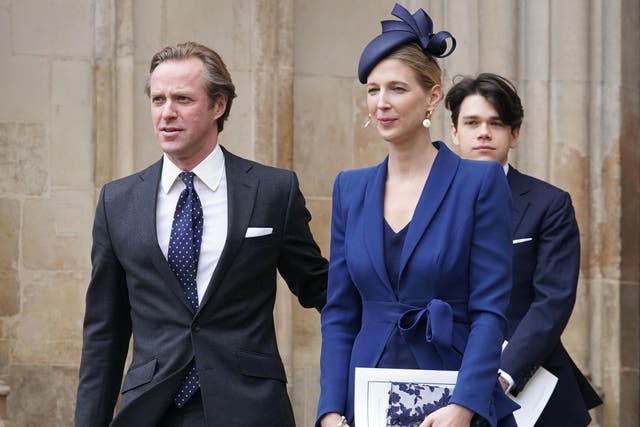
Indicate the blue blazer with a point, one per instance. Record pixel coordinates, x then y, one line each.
546 263
454 282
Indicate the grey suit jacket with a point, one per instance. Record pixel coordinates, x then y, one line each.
134 294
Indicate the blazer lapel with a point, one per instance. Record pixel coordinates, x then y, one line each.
519 188
241 196
373 221
145 200
444 169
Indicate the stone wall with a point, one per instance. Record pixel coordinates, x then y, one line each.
74 116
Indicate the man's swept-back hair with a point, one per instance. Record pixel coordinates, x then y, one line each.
497 90
217 80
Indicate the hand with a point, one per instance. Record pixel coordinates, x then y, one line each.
452 415
333 419
503 383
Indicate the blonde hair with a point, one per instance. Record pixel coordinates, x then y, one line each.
424 66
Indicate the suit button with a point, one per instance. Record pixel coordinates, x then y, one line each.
195 327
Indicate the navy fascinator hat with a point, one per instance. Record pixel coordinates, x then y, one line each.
416 28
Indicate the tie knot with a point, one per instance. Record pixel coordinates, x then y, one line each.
187 178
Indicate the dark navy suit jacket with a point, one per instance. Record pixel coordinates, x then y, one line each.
454 282
546 263
134 293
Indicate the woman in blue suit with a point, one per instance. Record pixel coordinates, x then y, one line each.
420 268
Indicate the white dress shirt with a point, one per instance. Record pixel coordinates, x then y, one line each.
210 183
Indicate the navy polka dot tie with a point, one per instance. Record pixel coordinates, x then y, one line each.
184 251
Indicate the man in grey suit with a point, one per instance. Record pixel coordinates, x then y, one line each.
184 260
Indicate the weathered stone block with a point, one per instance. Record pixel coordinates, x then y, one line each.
24 84
305 384
72 124
238 135
321 129
630 327
5 353
147 149
9 236
320 209
60 27
57 231
306 337
147 32
42 395
5 34
50 326
226 27
23 156
320 36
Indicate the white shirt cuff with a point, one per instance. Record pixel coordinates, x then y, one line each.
507 378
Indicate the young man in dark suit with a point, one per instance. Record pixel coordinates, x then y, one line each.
486 114
185 255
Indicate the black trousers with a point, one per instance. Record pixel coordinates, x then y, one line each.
190 415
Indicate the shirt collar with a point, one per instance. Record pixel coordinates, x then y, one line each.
209 171
505 167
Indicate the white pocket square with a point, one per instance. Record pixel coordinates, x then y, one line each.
258 231
526 239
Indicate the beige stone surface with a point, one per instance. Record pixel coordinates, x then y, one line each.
497 47
104 117
464 26
238 134
535 32
9 257
147 31
42 395
50 327
306 391
24 155
224 26
60 27
330 36
5 27
71 124
146 147
57 231
5 351
569 55
24 80
323 118
530 155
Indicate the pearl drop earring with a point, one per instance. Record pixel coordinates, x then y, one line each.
427 122
368 122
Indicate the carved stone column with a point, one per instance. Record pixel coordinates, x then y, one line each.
4 392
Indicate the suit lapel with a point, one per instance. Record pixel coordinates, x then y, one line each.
373 221
444 169
146 197
241 195
519 188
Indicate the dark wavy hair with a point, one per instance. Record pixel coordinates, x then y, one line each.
497 90
217 79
